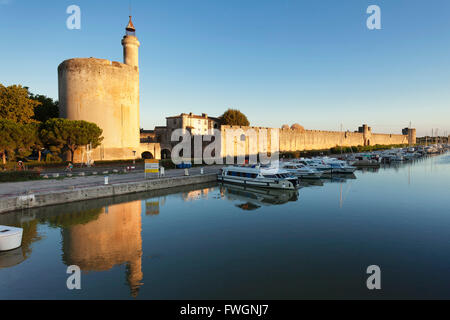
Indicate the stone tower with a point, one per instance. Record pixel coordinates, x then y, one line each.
367 134
107 94
411 134
131 46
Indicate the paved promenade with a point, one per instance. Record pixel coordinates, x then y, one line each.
11 189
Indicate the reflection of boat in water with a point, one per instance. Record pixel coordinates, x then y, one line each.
311 183
255 197
11 258
342 177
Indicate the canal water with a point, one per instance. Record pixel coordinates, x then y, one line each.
223 242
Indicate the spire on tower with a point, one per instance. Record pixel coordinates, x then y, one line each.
131 30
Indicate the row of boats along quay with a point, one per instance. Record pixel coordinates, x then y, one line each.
289 174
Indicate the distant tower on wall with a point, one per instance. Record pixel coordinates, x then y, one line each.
367 134
411 135
106 93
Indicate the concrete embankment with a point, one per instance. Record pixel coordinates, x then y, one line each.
101 191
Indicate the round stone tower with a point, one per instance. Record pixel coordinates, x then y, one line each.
107 94
130 46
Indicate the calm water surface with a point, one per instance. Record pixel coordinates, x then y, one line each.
221 242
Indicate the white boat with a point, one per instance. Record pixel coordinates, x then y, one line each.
327 165
10 238
259 176
393 155
411 155
314 164
338 166
300 170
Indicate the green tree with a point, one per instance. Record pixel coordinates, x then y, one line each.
16 105
69 135
46 109
10 137
234 117
31 139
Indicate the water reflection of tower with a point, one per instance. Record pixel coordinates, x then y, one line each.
114 238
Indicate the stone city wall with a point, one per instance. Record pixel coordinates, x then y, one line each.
248 140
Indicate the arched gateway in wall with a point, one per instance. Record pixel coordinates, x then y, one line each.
147 155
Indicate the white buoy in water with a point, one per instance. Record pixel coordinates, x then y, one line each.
10 238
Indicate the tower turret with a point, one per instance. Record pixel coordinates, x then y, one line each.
130 45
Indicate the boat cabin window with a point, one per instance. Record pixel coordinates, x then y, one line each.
241 174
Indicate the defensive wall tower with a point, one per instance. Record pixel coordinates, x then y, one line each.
367 134
105 93
412 135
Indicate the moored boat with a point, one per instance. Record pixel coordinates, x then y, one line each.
259 176
10 238
300 170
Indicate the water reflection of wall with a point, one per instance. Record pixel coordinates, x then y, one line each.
195 194
114 238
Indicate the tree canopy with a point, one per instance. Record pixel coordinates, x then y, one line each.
10 137
18 139
234 117
31 138
16 104
46 109
69 135
30 122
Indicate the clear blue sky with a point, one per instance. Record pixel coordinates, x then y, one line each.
313 62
